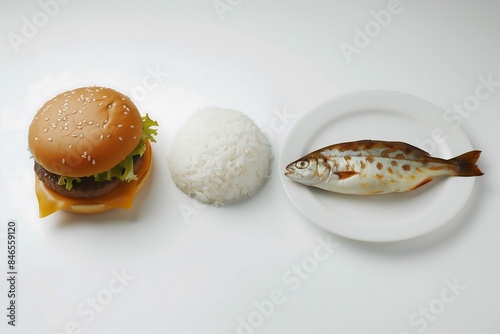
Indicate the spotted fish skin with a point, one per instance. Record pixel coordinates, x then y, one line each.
369 167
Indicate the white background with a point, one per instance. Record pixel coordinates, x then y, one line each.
196 269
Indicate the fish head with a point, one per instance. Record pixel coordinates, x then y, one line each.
308 170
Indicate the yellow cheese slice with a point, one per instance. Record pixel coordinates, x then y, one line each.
122 196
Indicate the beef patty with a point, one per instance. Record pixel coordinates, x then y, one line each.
86 188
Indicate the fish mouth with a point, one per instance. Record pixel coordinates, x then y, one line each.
289 171
292 174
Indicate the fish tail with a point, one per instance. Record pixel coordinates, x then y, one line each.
466 164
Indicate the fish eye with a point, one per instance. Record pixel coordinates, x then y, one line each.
302 164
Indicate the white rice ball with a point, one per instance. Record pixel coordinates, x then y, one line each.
219 156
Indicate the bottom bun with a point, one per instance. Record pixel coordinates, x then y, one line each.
88 208
122 196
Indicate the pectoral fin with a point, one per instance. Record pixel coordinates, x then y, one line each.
346 174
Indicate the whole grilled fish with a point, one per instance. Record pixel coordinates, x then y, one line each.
368 167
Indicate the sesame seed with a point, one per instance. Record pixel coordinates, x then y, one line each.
85 153
46 118
45 130
132 126
134 137
100 103
101 137
70 146
104 96
49 139
109 136
93 162
36 138
63 161
120 125
121 139
90 123
74 136
81 135
88 158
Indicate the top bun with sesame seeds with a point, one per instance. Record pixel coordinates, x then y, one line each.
87 141
85 131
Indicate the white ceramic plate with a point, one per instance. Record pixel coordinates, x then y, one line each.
383 115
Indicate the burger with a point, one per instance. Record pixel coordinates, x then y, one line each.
92 151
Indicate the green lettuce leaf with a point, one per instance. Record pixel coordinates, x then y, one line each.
68 181
147 131
125 169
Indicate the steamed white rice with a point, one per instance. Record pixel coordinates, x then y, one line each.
219 156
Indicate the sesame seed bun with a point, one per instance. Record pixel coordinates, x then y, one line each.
85 131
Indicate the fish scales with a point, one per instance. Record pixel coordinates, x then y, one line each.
369 167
